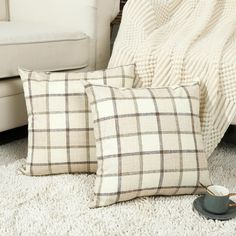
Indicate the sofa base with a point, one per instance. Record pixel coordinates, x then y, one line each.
13 112
13 134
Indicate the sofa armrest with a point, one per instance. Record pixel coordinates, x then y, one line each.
4 11
92 17
107 10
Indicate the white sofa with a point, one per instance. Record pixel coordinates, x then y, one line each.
49 35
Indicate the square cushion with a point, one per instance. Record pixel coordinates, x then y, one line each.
51 47
61 138
148 142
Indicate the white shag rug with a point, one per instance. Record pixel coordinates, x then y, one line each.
59 205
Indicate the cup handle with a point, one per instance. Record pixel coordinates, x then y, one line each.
231 195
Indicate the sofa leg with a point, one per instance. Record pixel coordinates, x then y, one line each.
230 135
13 134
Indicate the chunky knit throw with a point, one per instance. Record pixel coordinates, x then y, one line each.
179 41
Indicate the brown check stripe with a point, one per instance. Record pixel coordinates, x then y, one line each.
61 137
148 142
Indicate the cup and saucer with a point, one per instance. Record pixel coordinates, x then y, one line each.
216 203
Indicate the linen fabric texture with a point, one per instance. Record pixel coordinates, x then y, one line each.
148 142
61 138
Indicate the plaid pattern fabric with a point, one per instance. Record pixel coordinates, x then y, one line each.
61 138
148 142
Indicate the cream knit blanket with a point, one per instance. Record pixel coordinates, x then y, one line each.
180 41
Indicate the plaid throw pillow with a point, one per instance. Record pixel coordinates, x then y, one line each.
148 142
61 138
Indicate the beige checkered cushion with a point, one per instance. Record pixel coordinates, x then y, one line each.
61 138
148 142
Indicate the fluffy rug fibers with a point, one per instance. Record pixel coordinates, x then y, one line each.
59 205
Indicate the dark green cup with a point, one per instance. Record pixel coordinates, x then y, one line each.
217 199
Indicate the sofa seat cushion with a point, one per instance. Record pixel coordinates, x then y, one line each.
10 87
51 48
